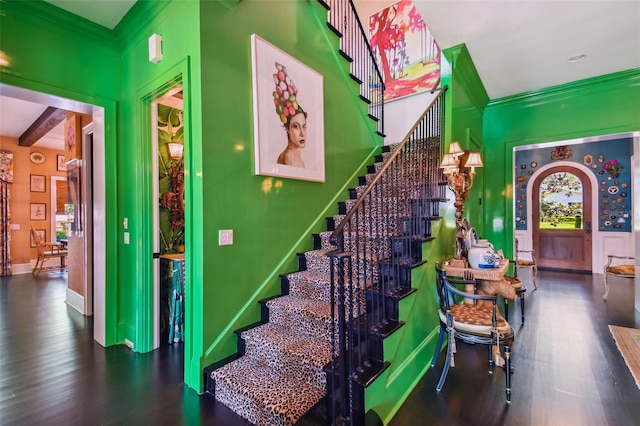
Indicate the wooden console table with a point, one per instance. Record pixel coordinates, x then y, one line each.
490 281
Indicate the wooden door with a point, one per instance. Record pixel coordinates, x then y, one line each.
560 246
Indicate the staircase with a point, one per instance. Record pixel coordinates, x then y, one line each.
284 362
320 343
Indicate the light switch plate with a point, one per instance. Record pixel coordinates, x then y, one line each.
225 237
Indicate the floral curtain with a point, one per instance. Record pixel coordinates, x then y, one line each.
6 178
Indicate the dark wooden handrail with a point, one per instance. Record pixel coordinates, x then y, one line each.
340 228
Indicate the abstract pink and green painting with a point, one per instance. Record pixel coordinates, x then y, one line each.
407 54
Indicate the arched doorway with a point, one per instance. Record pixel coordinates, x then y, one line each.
561 219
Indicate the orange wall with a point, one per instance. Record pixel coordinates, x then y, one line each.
21 197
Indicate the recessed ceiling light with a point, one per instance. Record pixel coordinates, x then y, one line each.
577 58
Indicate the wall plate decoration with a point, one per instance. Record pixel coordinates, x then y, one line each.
37 157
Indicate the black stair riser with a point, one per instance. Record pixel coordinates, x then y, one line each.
417 226
285 285
302 262
342 207
425 207
364 98
365 377
406 247
264 309
317 241
395 277
375 304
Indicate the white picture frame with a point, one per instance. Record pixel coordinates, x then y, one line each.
275 154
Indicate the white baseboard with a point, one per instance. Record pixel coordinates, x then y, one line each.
75 300
21 268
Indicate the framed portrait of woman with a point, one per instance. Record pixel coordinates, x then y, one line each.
288 115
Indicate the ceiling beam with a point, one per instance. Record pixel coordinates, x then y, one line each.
49 119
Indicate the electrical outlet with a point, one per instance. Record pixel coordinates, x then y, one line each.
225 237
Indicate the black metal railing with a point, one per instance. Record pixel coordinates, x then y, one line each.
354 46
377 241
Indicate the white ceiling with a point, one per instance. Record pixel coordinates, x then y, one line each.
523 45
517 45
107 13
17 115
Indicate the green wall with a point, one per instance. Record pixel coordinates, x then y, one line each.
54 52
141 82
272 218
602 105
467 99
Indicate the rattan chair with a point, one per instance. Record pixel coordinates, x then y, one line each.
46 252
473 324
618 266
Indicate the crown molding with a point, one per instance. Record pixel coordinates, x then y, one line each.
632 75
465 72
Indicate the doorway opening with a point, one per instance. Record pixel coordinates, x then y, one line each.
95 257
167 113
562 219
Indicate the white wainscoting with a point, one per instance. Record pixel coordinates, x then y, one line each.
618 243
603 244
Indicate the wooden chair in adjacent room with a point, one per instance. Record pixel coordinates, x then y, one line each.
478 323
46 252
618 266
525 259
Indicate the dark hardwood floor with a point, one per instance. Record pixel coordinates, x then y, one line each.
568 370
52 372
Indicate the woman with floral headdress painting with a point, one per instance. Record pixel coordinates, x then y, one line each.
296 128
292 116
